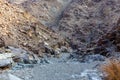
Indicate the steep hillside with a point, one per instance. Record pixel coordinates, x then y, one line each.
110 42
81 22
47 11
84 21
19 28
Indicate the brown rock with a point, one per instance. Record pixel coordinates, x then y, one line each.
2 43
20 29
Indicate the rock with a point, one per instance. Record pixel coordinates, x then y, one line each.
64 49
49 50
6 63
23 56
16 50
20 66
12 77
57 52
92 58
33 59
91 75
6 60
2 43
6 56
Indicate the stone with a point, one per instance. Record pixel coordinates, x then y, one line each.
64 49
6 60
95 57
13 77
6 56
22 56
49 50
2 43
4 63
91 75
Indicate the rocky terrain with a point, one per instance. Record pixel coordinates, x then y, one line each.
20 29
57 39
63 68
47 11
85 21
81 22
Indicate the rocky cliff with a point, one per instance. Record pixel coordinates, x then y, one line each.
81 22
109 44
18 28
47 12
84 21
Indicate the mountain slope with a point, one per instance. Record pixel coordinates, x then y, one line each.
47 11
84 21
81 22
109 44
19 28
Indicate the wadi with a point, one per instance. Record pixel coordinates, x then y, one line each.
59 40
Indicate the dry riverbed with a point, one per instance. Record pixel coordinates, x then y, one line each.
62 68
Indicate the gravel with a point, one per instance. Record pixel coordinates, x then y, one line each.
52 68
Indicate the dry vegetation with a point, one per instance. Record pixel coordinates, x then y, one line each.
112 70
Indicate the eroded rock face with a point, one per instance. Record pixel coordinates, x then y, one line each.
81 22
85 21
109 44
47 11
19 28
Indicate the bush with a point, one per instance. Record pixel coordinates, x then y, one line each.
112 70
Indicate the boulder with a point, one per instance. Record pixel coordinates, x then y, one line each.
13 77
6 60
6 63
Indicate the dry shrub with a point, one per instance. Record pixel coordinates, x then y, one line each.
112 70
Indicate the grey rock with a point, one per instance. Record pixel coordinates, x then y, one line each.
6 63
95 57
6 59
23 56
91 75
13 77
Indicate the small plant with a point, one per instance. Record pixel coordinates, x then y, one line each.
112 70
